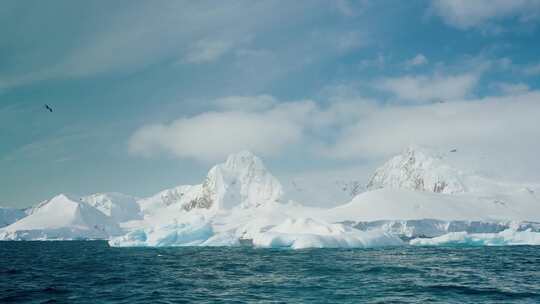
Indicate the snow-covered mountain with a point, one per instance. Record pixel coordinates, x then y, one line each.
10 215
415 169
241 181
446 172
419 193
62 217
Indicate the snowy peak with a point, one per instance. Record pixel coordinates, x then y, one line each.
418 169
243 160
241 181
449 172
59 199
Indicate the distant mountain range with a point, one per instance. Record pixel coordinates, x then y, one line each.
418 193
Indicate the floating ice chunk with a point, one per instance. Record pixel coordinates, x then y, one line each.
309 233
190 233
503 238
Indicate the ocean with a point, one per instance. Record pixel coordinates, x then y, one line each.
93 272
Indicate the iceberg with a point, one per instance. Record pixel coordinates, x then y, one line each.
304 233
507 237
299 233
169 235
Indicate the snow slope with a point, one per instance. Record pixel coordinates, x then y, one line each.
62 218
402 204
10 215
319 190
119 207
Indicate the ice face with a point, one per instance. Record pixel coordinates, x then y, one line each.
507 237
303 233
292 233
173 234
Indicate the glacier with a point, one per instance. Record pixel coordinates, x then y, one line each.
417 197
507 237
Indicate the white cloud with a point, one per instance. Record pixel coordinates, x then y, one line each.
350 8
430 88
350 41
207 50
246 103
133 37
345 7
532 70
506 125
211 136
353 129
417 60
377 62
465 14
512 88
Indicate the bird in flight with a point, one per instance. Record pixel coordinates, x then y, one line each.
48 108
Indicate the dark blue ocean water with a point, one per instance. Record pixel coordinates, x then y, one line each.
92 272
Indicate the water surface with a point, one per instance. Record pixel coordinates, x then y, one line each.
92 272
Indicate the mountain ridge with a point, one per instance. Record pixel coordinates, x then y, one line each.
415 192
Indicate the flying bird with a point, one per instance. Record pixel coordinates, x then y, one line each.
48 108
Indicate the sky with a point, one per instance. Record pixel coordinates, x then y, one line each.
150 94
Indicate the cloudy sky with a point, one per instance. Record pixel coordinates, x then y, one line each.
149 94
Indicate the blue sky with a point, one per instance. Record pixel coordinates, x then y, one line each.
148 95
